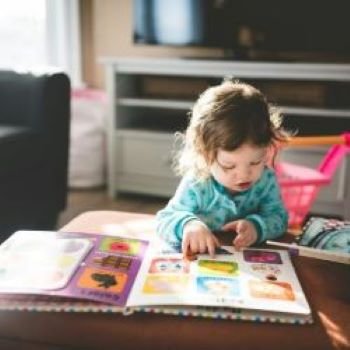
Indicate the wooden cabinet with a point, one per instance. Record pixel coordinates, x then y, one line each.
149 100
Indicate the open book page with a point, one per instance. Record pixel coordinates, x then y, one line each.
72 265
253 279
55 271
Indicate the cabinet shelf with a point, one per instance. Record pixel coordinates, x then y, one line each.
320 112
146 133
220 69
155 103
187 105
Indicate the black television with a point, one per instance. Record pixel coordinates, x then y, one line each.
245 26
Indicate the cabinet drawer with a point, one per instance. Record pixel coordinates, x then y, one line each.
148 154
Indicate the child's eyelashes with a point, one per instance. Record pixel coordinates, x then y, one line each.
232 167
228 167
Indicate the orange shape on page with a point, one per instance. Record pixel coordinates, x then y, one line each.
271 290
103 280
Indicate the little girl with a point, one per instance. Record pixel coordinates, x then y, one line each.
227 183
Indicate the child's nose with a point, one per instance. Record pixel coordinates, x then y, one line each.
244 172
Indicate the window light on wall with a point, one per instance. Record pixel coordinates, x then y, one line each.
37 33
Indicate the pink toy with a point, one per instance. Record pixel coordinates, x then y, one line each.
300 185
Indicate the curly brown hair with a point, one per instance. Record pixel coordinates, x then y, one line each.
226 116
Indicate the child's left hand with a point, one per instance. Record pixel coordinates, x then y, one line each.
246 233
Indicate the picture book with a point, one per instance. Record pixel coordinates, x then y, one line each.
322 238
326 234
55 271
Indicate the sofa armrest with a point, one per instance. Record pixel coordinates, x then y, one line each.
41 103
26 99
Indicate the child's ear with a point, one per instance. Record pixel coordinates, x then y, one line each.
270 157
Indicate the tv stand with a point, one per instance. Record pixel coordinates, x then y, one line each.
228 55
142 120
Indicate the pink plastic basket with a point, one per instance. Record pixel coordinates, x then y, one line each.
300 185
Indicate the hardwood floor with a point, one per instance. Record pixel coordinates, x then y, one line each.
80 201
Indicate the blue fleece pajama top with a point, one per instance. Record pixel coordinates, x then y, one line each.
214 205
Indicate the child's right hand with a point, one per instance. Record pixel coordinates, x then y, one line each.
197 238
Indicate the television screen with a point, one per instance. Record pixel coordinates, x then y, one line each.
275 25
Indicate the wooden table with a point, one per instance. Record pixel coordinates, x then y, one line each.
326 285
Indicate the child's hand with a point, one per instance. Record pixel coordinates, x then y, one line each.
246 233
197 238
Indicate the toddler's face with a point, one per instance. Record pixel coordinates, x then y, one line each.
238 170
